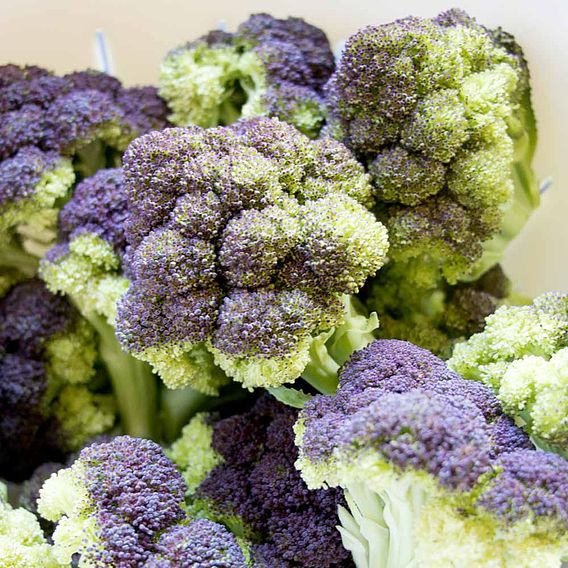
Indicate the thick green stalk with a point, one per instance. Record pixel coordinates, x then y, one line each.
177 407
133 383
12 256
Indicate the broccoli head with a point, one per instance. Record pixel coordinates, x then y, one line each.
269 67
523 355
48 397
243 241
240 472
433 472
54 130
439 112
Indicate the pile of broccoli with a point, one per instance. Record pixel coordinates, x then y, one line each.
255 317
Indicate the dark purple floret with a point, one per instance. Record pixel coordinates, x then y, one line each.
507 437
136 492
20 174
143 110
98 206
309 40
30 314
201 543
80 117
291 526
23 127
11 73
94 80
40 91
531 484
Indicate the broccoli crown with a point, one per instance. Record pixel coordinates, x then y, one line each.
47 357
201 543
269 67
65 113
87 262
433 314
22 542
250 484
421 451
242 241
113 504
435 108
54 129
522 354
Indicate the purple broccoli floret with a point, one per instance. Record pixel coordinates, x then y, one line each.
127 494
47 357
422 453
268 67
528 485
201 543
257 488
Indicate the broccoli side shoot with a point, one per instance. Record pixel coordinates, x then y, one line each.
268 67
431 468
49 404
522 354
244 241
439 112
240 472
433 315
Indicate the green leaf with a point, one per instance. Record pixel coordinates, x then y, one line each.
291 397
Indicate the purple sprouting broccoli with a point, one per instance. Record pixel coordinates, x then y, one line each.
52 130
432 470
240 472
49 404
244 242
113 504
435 316
268 67
439 111
200 543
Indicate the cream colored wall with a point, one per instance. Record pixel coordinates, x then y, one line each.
59 34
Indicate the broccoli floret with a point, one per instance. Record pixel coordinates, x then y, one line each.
269 67
22 542
113 503
523 354
53 130
431 468
434 315
244 241
47 358
200 543
439 111
241 473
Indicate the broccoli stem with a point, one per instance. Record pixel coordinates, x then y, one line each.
13 256
133 383
177 407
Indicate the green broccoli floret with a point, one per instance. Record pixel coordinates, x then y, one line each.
244 241
269 67
439 111
22 542
523 355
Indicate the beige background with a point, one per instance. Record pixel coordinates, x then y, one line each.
59 34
